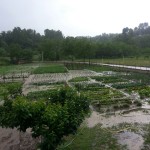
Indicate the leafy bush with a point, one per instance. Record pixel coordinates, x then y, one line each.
10 89
51 118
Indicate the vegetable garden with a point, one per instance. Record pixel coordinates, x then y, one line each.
53 101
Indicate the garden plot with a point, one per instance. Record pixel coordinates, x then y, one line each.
35 80
14 77
103 97
4 70
111 106
16 72
115 100
57 77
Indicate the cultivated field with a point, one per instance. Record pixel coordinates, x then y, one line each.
119 103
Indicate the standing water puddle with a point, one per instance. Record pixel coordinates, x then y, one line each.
132 140
113 120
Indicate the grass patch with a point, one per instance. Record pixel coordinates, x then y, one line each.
48 83
79 79
95 138
54 68
127 85
134 61
17 68
109 79
81 66
146 136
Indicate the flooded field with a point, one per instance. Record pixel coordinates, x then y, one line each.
115 98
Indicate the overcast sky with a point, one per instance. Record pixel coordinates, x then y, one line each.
74 17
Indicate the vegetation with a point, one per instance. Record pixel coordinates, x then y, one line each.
50 69
100 95
56 114
81 66
22 45
129 61
52 118
109 79
127 85
17 69
11 89
96 138
79 79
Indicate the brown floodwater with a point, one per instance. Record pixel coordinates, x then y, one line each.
113 120
132 140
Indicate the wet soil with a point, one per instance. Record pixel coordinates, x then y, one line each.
11 139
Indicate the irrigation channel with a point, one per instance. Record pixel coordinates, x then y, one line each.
131 119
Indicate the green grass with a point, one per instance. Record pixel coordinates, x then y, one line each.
127 85
134 61
17 68
79 79
109 79
147 135
95 138
78 66
4 61
52 68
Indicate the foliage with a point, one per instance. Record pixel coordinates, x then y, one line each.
51 118
79 79
126 85
139 77
59 83
96 138
11 69
109 79
10 89
81 66
90 86
14 89
50 69
21 44
40 94
143 91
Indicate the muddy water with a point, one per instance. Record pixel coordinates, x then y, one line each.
11 139
146 105
132 140
113 120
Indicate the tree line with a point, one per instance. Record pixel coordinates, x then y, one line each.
24 45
